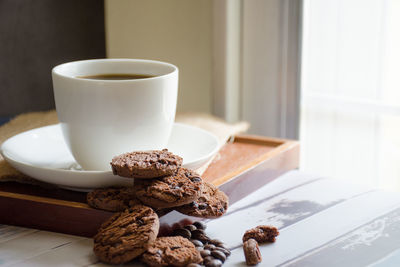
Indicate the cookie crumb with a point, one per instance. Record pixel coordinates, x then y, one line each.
261 233
252 252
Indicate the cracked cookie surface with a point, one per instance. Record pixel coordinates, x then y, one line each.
212 203
170 191
126 235
171 251
112 199
146 164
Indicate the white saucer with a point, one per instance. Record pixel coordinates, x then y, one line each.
42 154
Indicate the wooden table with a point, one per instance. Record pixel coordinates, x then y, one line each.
322 222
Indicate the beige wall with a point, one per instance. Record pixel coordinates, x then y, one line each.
176 31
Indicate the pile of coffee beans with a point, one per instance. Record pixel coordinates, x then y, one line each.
213 251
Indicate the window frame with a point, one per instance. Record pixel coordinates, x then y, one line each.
244 30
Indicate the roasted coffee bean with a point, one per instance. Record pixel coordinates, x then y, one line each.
193 265
223 246
223 250
196 243
183 232
204 253
198 231
199 249
207 258
217 242
204 239
176 226
209 246
200 225
190 227
165 230
218 255
214 263
200 235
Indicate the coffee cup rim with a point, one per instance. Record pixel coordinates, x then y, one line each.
57 69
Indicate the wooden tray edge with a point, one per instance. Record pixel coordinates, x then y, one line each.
46 200
281 146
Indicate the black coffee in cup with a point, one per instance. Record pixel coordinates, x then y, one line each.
116 76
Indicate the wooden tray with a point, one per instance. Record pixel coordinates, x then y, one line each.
242 166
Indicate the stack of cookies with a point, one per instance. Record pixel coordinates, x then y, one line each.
161 184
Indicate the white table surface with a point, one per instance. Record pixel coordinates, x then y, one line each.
322 222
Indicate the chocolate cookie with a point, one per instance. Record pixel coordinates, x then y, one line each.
169 191
261 233
171 251
212 203
112 198
146 164
126 235
252 252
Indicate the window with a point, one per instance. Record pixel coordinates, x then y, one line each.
350 104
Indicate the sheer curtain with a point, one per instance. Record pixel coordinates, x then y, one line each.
350 103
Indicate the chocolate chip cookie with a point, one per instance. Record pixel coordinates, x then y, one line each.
126 235
212 203
146 164
171 251
112 199
170 191
261 233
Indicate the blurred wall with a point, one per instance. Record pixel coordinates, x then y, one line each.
35 36
176 31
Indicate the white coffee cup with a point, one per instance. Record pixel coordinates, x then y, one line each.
104 118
